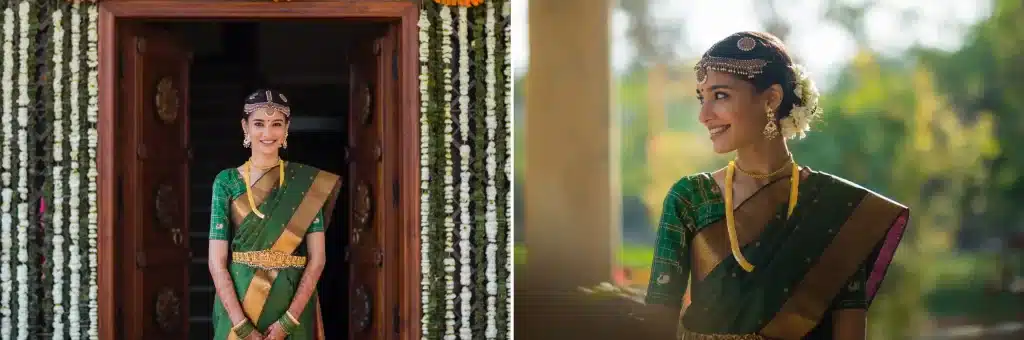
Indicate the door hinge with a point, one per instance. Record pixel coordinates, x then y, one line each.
397 320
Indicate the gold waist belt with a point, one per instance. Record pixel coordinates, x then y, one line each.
684 334
268 259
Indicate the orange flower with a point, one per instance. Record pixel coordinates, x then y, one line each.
461 3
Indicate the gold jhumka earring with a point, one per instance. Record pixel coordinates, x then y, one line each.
246 142
284 143
771 130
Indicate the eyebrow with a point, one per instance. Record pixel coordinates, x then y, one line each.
715 87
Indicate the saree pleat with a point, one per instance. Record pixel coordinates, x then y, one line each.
802 262
266 294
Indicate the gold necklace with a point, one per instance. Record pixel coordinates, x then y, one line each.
769 175
730 220
264 168
248 189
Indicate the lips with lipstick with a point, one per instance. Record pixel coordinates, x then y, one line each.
268 141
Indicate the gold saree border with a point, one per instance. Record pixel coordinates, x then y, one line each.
856 239
303 215
260 190
711 244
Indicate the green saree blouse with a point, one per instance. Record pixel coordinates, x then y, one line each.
831 254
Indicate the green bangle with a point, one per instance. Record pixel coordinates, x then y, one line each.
243 329
287 324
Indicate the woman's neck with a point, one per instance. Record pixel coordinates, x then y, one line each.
264 160
763 157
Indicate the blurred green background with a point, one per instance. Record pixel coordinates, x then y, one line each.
924 103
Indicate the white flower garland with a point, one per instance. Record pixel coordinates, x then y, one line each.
465 226
92 115
24 13
7 88
424 26
449 190
506 12
57 223
491 224
800 117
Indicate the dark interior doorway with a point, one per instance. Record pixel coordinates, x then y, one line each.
232 59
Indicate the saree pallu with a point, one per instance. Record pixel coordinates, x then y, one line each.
831 253
290 210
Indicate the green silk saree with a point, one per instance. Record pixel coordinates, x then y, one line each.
831 254
301 206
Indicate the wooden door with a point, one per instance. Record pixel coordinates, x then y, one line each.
367 319
154 149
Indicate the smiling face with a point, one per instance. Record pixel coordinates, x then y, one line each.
266 128
733 111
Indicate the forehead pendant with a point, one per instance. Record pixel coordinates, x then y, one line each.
270 112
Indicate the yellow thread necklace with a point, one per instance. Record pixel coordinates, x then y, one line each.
248 190
730 220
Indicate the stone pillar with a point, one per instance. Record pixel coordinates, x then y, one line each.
572 189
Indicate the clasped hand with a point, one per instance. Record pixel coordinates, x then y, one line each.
275 332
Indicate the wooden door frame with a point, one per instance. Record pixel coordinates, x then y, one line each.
400 141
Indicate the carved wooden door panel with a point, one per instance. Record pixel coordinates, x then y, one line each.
154 94
366 184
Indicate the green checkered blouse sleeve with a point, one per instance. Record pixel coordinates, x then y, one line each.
318 223
670 269
220 225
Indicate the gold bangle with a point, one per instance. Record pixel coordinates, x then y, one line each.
239 324
292 317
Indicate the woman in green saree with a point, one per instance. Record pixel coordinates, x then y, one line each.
767 248
266 233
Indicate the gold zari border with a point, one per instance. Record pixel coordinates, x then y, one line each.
711 244
291 237
260 190
685 334
851 246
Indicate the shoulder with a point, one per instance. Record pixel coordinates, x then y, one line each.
225 176
844 184
688 189
308 169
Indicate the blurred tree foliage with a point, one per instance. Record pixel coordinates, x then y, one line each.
986 77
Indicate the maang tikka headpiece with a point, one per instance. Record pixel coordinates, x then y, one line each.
748 68
272 106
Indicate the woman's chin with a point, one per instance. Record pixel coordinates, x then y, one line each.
722 147
268 149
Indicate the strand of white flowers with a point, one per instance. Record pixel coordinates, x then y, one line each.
74 67
449 189
92 114
57 223
506 12
7 84
465 261
24 13
75 220
491 223
424 26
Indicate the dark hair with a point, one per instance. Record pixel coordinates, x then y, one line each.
266 97
778 69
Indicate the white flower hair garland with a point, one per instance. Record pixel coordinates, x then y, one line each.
799 120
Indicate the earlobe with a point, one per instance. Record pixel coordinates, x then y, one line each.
775 95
